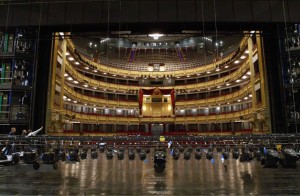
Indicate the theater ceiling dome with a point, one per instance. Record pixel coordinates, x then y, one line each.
155 51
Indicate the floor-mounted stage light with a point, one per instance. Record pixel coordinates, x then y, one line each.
72 154
109 153
290 158
175 153
187 155
209 153
271 159
48 157
102 147
83 153
120 154
143 155
225 155
198 153
29 155
160 160
246 154
236 153
94 153
131 154
257 154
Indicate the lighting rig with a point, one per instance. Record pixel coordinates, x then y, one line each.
271 150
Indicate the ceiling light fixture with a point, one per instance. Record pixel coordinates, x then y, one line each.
156 35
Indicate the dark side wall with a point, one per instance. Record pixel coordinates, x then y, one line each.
41 79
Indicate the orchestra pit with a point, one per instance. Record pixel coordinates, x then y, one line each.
142 97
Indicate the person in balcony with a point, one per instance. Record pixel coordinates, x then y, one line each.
13 131
24 132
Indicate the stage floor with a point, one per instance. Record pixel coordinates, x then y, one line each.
182 177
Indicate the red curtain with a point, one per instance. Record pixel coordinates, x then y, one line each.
173 99
162 91
141 100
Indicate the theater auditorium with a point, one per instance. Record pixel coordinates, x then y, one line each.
149 97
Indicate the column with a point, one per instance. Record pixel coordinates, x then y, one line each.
51 86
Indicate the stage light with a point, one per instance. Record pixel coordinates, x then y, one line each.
61 155
109 153
102 147
209 153
175 153
28 156
159 160
120 155
83 153
271 158
198 153
94 153
290 157
131 154
257 154
246 154
143 155
225 155
72 154
235 153
187 155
